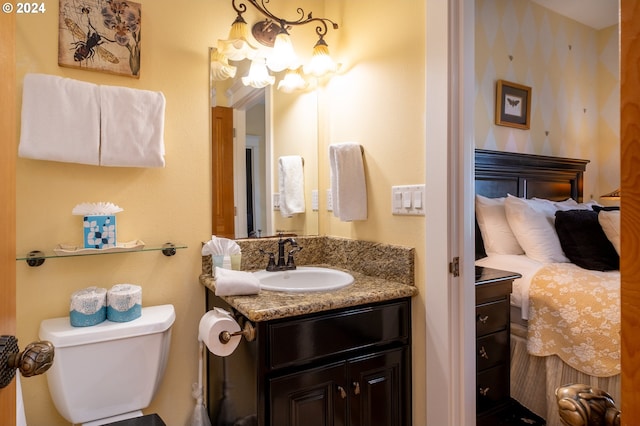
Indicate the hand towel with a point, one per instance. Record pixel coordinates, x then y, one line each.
291 183
132 127
60 120
348 185
235 283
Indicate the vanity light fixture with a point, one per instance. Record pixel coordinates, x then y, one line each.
269 48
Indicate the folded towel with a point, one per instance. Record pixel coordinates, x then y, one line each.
348 186
235 283
291 182
60 120
132 127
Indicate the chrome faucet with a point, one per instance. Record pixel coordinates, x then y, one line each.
281 264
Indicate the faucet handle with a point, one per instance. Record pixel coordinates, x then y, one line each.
291 264
272 261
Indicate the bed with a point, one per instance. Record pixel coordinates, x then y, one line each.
551 283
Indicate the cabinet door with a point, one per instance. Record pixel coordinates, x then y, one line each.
378 389
315 397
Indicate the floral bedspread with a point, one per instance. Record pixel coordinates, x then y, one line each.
574 313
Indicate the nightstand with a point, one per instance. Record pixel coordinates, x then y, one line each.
493 352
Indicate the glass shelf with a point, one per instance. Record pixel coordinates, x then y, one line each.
37 257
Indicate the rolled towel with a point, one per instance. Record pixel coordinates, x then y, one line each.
88 307
124 302
235 283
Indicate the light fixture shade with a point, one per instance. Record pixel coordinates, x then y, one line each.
293 80
220 68
258 75
282 56
237 47
321 62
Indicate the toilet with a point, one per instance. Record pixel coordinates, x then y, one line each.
110 371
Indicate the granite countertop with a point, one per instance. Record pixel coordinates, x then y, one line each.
381 272
269 305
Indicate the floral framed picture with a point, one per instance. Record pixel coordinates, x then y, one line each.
513 104
100 35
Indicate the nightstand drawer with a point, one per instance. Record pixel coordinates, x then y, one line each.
491 389
492 316
492 350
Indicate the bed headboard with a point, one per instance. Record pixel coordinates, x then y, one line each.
500 173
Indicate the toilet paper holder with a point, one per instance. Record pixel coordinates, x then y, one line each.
248 331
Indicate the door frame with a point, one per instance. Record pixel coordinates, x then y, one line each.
449 300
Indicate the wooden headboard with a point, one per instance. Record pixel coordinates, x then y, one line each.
526 175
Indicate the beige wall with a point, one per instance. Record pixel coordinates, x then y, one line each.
573 72
168 204
379 102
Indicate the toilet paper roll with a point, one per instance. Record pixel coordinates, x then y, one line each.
212 324
88 307
124 302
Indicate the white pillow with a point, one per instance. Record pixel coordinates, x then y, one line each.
610 223
496 232
532 222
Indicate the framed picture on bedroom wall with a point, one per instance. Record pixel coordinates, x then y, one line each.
513 104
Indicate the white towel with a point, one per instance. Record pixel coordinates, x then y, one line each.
60 120
348 185
132 127
235 283
291 183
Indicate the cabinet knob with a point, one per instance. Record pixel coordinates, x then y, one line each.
484 391
356 388
343 393
483 353
483 318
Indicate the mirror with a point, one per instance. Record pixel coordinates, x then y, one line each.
269 124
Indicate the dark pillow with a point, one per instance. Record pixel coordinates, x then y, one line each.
606 209
584 242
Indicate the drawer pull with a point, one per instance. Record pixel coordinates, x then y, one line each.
483 353
484 391
356 388
483 318
343 394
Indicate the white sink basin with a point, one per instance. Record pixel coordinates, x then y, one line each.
304 279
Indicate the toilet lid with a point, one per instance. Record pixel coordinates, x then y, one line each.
60 332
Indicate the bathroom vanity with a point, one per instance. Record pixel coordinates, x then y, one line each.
348 366
323 358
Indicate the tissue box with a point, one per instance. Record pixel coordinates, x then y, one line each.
99 231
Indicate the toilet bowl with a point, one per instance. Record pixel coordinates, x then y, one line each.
110 371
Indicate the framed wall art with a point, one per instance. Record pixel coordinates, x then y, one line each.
100 35
513 104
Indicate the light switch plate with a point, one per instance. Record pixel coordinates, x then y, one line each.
407 200
314 200
329 201
276 201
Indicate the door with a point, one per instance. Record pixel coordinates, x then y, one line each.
223 206
630 226
7 200
313 397
377 390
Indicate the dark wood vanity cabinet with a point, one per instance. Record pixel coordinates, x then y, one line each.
345 367
361 391
493 352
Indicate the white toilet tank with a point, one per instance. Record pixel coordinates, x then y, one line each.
107 369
